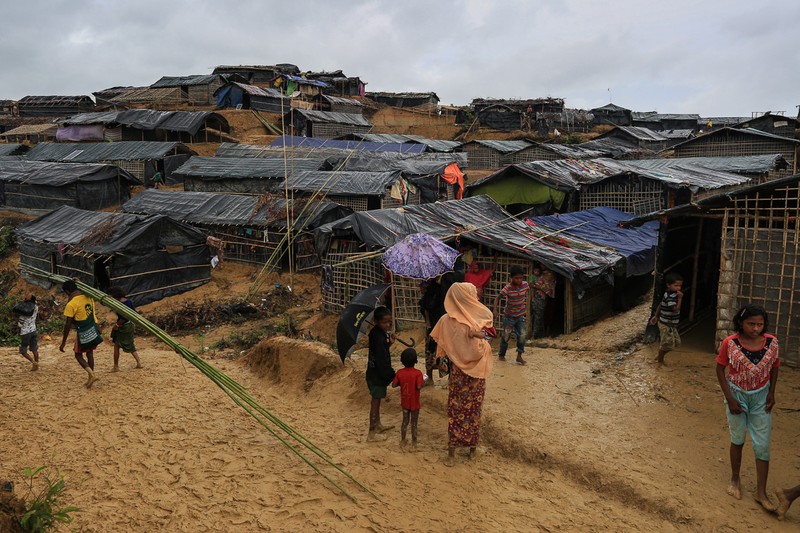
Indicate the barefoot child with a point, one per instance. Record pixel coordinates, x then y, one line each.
668 315
747 370
123 330
27 330
79 312
785 499
410 381
515 315
379 368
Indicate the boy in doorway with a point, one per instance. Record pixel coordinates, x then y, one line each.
668 315
516 313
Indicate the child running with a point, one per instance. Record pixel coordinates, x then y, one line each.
123 330
747 370
379 369
80 313
27 330
515 315
410 381
668 315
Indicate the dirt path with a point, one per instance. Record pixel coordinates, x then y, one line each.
578 440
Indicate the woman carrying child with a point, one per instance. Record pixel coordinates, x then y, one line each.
460 336
747 370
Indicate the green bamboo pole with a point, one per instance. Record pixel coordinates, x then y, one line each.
229 386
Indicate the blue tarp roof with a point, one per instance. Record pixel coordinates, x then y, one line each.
313 142
600 226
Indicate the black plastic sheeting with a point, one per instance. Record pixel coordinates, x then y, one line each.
340 183
234 209
478 219
150 257
148 119
40 186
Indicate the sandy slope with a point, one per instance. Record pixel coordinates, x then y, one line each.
578 440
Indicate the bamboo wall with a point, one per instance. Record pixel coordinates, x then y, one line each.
733 144
481 157
636 197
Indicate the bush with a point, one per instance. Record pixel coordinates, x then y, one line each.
45 511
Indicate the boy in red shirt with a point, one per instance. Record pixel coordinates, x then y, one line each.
410 380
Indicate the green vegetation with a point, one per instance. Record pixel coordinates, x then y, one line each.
243 340
45 511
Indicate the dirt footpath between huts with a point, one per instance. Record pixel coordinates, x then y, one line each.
589 436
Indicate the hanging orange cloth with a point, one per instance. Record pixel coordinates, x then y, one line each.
453 175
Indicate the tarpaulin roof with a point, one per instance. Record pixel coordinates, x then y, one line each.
147 119
87 230
668 116
639 133
744 164
341 101
233 209
55 100
340 183
437 145
253 90
352 119
600 226
614 147
313 142
59 174
676 134
505 147
610 107
116 151
410 167
481 220
304 81
12 149
571 151
178 81
569 174
244 167
749 132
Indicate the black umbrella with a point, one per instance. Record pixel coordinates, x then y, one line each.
356 319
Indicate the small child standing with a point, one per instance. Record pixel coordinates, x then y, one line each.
410 380
668 315
515 314
123 331
28 338
379 369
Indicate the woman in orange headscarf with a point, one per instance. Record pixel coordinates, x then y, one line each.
461 337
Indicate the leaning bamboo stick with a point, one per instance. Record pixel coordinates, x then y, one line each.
230 387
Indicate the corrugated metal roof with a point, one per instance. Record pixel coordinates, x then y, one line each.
116 151
504 147
244 167
333 118
59 174
178 81
747 164
569 174
312 142
343 182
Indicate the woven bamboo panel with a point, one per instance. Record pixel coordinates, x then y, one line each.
718 146
349 279
406 294
635 198
760 264
482 157
356 203
332 131
595 304
500 278
134 167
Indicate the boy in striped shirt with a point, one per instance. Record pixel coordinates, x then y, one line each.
516 313
668 315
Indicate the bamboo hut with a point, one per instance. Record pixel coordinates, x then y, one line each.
31 133
612 114
242 175
195 89
143 125
352 247
404 99
36 106
252 229
141 158
431 145
736 142
736 248
241 96
491 154
150 257
40 187
360 191
324 125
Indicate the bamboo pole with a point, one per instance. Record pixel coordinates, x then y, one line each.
229 386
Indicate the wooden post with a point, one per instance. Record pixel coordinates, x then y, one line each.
568 318
696 263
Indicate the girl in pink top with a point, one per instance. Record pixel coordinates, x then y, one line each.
747 370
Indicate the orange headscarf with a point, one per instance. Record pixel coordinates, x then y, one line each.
452 333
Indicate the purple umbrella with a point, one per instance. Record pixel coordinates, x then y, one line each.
420 256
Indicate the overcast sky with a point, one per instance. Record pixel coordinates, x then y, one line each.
713 57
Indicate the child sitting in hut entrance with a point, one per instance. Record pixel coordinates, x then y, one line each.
668 315
410 380
123 331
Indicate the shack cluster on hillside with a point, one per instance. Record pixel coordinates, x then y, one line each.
608 199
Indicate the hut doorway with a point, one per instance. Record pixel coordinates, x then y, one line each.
101 276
